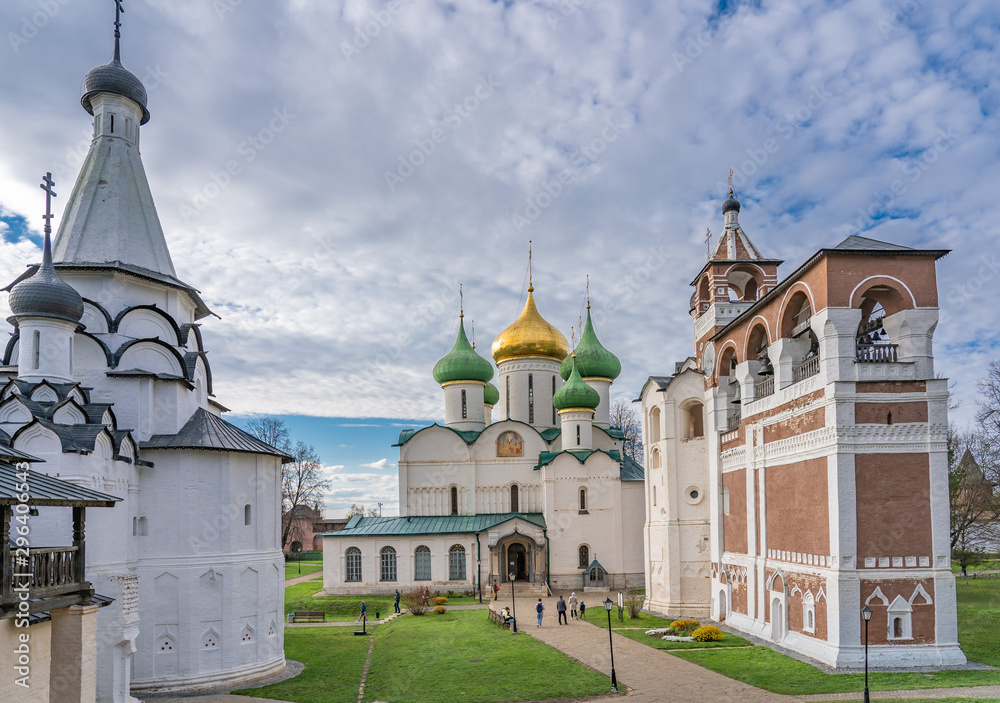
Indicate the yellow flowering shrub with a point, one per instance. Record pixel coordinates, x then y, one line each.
707 634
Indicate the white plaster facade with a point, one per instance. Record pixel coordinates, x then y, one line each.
191 554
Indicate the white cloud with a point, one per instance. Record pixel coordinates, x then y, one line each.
337 295
380 464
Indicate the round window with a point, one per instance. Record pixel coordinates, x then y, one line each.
694 495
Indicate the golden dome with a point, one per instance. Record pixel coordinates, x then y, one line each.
530 336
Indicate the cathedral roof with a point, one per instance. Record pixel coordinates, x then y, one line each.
491 394
530 336
592 359
575 393
114 78
44 294
462 363
361 526
207 431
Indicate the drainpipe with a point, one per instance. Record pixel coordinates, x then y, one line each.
479 567
548 576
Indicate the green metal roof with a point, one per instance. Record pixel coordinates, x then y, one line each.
360 526
631 470
462 363
470 436
581 455
575 393
592 358
491 394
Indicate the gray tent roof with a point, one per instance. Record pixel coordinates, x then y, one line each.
47 490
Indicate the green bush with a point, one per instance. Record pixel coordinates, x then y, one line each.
440 609
707 634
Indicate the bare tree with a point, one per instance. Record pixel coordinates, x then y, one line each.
356 509
302 483
625 416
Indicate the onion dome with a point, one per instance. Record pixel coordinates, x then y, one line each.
592 359
491 395
114 78
530 336
44 294
462 363
575 393
731 203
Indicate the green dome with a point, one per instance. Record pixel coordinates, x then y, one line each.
575 393
462 363
592 359
491 394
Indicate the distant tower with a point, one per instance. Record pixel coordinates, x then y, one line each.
576 402
597 366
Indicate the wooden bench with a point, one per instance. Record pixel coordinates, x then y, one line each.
311 615
498 618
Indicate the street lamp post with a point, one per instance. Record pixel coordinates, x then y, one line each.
866 613
614 679
513 603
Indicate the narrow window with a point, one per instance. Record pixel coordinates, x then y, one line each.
553 395
37 351
465 410
128 127
513 499
507 394
897 628
388 564
583 499
531 401
143 527
71 355
725 501
456 563
584 556
422 563
454 501
246 514
888 419
578 435
654 495
112 123
353 564
135 526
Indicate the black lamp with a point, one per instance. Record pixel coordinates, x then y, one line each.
866 614
608 604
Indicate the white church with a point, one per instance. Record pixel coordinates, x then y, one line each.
106 384
543 494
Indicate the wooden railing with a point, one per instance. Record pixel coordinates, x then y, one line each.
808 367
48 572
764 388
877 353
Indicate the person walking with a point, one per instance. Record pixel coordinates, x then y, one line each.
427 595
364 611
572 605
583 610
561 609
395 603
539 609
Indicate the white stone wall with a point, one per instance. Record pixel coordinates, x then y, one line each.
516 371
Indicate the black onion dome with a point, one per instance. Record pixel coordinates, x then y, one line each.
114 78
731 204
44 294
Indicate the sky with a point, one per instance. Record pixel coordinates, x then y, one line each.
327 174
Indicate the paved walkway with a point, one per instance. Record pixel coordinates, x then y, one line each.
304 577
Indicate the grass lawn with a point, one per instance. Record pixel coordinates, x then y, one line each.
344 608
334 659
308 567
978 622
461 656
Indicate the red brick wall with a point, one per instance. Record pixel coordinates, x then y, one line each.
893 505
901 412
735 524
797 507
922 617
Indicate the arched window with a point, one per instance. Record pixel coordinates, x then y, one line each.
514 507
422 563
456 563
465 410
507 396
353 559
37 351
578 435
531 400
654 425
583 500
553 395
246 514
454 501
584 556
388 563
693 419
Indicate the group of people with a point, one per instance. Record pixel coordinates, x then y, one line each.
561 607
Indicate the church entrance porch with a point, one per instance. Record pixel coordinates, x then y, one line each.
517 561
